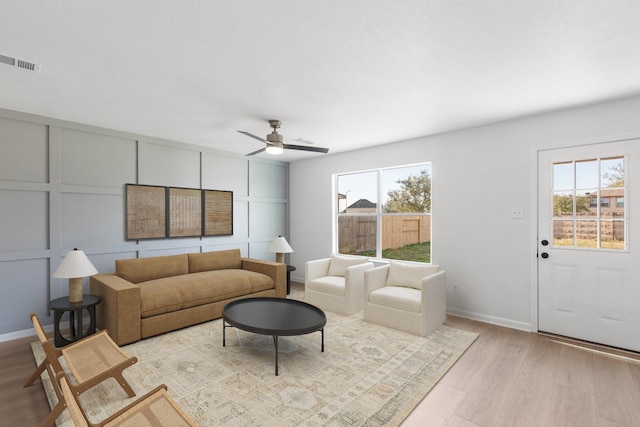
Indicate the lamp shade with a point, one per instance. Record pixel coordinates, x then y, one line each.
280 245
75 264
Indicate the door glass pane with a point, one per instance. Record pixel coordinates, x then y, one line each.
612 234
587 174
587 203
587 234
563 175
612 172
562 204
563 233
595 202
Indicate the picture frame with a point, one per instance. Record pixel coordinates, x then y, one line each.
217 213
185 212
146 212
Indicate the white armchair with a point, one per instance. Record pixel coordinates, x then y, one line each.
337 283
408 297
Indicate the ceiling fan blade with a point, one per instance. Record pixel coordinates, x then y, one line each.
253 136
257 151
305 148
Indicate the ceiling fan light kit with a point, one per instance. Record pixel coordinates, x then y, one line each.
274 149
274 142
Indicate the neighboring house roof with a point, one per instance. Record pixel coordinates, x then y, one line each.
362 204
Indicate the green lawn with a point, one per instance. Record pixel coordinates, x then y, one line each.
418 252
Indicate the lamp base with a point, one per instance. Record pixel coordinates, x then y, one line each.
75 289
280 257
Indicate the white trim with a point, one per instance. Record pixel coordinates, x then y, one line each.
31 333
579 142
533 276
493 320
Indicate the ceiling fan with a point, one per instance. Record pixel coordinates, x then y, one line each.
275 144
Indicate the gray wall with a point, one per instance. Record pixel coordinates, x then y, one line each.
62 186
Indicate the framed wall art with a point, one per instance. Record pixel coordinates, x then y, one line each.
185 212
217 213
146 212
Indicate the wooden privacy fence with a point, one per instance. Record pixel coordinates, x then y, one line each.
588 230
358 233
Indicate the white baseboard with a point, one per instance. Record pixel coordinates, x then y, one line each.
493 320
30 332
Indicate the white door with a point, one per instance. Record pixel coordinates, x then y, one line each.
588 243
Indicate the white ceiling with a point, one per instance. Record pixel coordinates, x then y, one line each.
342 74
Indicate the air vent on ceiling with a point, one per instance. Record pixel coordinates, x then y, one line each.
303 141
20 63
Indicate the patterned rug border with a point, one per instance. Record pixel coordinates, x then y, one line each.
392 372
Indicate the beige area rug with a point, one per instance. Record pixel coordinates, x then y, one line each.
368 375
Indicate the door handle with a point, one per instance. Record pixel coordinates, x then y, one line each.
545 242
544 255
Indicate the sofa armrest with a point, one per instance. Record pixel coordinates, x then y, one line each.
434 300
315 269
119 310
375 278
276 270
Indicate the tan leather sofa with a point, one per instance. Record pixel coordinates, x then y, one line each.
151 296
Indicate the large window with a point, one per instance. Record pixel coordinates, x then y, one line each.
385 213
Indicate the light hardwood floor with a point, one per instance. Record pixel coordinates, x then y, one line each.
506 378
513 378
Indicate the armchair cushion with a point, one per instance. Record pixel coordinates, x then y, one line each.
333 285
340 263
409 275
402 298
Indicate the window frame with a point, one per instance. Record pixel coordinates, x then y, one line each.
598 203
379 213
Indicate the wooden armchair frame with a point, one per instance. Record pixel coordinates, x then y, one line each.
91 360
155 408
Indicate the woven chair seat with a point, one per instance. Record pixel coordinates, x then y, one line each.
91 360
155 408
98 354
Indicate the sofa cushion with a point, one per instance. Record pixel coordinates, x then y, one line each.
409 275
340 263
138 270
402 298
216 260
329 285
174 293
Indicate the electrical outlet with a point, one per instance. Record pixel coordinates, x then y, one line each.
456 290
517 212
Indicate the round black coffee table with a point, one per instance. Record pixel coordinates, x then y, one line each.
273 316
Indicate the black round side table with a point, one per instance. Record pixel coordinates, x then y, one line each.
290 268
75 309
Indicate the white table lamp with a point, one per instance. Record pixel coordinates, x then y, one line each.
74 267
280 246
